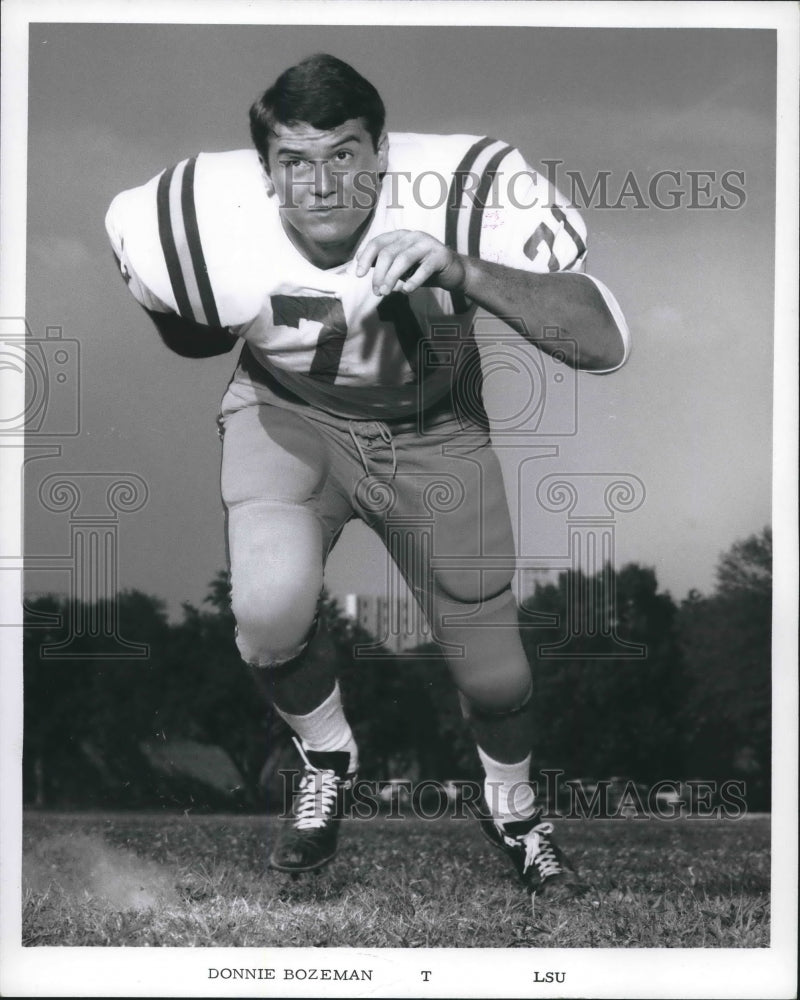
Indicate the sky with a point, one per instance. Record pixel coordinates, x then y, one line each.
690 415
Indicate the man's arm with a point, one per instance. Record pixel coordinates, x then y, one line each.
189 339
528 301
134 212
531 303
183 336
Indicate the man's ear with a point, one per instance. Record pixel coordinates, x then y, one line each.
267 179
383 153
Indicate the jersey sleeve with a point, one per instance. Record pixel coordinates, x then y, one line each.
526 223
192 239
505 212
115 227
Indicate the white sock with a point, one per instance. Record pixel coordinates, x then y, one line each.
508 793
325 728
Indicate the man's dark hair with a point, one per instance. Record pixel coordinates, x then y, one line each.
322 91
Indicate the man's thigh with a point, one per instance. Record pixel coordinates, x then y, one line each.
444 516
283 514
272 455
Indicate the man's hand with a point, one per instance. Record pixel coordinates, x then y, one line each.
405 260
532 303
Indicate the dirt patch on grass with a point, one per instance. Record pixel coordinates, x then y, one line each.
85 865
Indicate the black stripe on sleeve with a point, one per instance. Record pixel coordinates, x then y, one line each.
195 246
168 246
456 192
454 198
478 205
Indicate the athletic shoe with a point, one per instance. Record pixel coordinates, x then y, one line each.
537 859
309 840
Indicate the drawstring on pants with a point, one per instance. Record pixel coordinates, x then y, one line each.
385 435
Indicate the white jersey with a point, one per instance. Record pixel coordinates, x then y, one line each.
203 239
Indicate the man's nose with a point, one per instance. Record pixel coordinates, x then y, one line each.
324 180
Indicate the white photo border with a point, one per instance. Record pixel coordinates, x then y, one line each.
464 972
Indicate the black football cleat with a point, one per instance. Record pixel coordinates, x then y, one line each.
540 863
308 841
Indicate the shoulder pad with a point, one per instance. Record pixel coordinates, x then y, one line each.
197 236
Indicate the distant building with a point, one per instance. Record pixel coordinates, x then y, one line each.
396 622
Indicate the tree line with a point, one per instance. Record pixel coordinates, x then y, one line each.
662 690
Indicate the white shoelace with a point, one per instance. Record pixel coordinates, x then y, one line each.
316 798
537 852
316 795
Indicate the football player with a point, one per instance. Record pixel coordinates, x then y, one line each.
350 261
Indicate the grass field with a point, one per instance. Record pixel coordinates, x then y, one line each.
175 880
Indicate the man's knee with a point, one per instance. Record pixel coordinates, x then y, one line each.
272 629
477 613
507 696
493 673
275 553
472 586
261 645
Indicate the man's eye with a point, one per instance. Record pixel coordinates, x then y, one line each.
344 154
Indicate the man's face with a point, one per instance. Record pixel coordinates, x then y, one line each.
326 183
